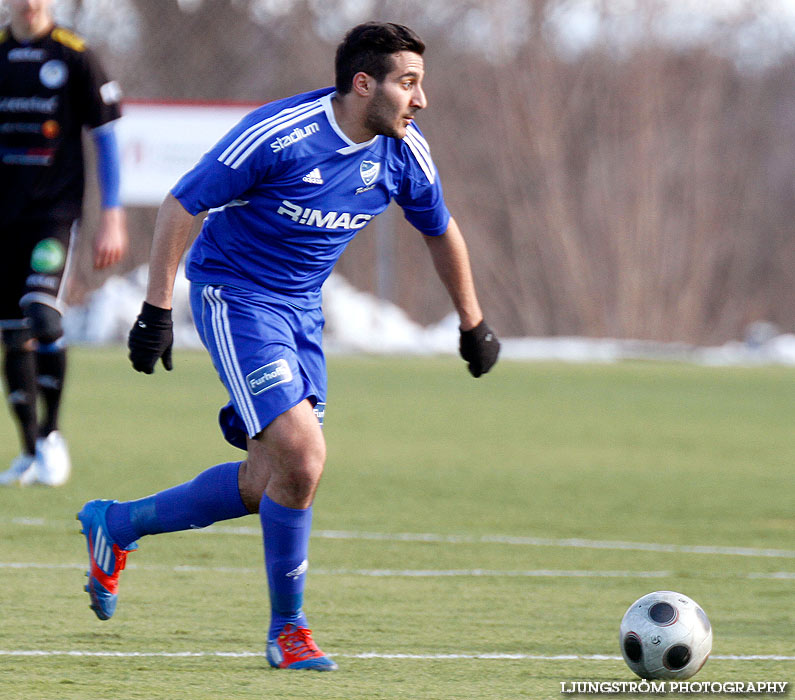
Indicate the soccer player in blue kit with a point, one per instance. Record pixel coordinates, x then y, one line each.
286 190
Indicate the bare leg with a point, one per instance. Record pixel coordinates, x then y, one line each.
285 461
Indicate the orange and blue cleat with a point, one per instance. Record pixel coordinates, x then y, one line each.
106 559
295 649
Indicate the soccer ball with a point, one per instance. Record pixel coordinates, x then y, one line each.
665 635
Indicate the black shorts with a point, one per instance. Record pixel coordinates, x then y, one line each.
34 263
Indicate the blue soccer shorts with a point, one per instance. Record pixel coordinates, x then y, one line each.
267 352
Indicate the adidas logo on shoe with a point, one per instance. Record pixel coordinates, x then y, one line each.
314 177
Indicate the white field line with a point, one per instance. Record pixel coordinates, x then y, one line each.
548 542
578 543
422 573
367 655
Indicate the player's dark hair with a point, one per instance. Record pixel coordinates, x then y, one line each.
368 48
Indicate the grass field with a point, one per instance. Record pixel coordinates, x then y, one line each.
473 539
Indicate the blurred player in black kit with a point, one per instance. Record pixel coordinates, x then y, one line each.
51 88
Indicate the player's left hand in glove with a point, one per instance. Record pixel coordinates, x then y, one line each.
480 348
151 338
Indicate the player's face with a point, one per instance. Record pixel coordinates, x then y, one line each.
398 97
30 16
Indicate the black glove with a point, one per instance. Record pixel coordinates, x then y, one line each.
480 348
151 338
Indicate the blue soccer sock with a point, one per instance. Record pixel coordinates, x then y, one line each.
286 536
212 496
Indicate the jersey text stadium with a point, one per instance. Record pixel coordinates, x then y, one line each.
295 135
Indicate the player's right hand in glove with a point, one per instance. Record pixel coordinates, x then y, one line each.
480 348
151 338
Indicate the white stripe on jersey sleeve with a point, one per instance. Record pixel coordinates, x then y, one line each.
252 137
422 152
242 138
268 134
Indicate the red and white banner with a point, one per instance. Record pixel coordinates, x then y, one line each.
160 141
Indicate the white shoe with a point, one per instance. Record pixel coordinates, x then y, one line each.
22 469
53 465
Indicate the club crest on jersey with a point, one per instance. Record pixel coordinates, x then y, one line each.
53 74
369 171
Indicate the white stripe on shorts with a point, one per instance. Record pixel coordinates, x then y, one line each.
67 268
226 351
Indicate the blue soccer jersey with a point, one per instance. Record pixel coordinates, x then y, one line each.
287 190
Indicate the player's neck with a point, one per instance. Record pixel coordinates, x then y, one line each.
350 118
31 31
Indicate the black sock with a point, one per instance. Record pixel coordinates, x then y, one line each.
20 375
51 365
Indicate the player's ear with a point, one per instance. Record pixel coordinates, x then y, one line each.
363 84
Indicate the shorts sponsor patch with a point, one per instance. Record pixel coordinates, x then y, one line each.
320 411
48 256
269 376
